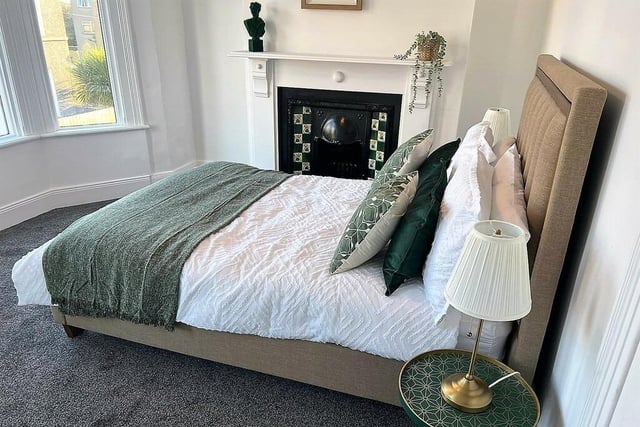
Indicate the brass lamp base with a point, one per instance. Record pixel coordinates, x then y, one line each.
466 392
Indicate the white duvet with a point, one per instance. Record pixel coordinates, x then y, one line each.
267 274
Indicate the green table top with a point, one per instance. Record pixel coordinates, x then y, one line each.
514 402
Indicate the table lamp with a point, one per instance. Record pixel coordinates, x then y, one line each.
500 122
490 281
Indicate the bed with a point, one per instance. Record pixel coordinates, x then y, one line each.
559 119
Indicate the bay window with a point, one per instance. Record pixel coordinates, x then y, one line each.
68 67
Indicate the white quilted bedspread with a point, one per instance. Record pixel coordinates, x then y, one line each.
267 274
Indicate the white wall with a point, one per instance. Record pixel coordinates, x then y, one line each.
42 174
383 28
600 38
160 46
505 39
212 29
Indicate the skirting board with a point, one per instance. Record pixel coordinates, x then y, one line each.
40 203
29 207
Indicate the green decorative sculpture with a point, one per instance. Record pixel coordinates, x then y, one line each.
255 27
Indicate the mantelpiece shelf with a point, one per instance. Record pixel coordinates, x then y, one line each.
322 58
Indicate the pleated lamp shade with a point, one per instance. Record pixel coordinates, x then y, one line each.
500 122
490 281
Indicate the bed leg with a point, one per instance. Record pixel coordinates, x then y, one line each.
72 331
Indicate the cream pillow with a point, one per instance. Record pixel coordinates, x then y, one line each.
501 147
507 203
374 221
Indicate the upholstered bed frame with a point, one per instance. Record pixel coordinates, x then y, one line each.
559 120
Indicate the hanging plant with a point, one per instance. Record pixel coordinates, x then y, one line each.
428 51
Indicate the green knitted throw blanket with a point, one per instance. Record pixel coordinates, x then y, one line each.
125 260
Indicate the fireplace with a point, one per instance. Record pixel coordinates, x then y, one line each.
354 76
336 133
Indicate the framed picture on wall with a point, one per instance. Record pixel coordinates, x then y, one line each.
332 4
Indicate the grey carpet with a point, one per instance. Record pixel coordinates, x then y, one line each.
49 379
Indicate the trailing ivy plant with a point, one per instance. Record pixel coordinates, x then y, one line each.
428 51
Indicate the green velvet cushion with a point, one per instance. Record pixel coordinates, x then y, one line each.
411 241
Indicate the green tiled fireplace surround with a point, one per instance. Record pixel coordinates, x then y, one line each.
302 113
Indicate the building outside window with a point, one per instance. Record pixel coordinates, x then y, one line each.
87 27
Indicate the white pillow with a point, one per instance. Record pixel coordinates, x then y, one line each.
417 156
493 338
507 202
479 137
467 200
374 221
481 129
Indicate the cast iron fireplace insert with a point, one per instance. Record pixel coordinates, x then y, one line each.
336 133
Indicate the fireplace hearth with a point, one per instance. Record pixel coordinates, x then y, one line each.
336 133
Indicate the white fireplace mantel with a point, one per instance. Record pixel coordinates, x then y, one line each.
319 58
266 71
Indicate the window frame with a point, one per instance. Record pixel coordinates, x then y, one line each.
7 100
87 27
29 92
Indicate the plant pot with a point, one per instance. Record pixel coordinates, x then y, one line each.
427 51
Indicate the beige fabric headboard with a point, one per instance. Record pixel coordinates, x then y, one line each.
559 120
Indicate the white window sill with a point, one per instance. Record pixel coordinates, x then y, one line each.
94 130
89 130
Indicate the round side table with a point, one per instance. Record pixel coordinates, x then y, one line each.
514 404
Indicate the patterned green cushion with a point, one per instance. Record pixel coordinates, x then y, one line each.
399 157
411 241
373 222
